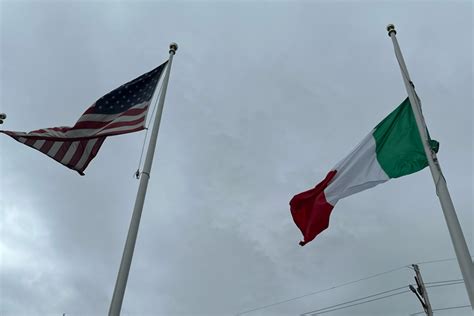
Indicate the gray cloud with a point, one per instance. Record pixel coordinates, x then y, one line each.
264 98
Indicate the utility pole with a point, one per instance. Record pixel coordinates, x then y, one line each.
420 291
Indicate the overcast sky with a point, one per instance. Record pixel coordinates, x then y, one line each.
264 98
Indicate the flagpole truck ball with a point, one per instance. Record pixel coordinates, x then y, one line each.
173 48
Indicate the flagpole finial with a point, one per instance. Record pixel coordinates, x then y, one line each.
390 29
173 48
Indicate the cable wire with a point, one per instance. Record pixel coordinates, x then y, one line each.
375 299
320 291
364 300
447 281
331 308
446 284
345 284
442 309
435 261
439 260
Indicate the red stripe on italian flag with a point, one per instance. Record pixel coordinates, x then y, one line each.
393 149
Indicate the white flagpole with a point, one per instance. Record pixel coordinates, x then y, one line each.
122 277
457 237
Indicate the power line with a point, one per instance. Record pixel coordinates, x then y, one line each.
338 286
325 309
375 299
439 260
446 284
447 281
341 305
320 291
442 309
435 261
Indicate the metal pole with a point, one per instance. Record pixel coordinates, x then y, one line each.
122 277
454 228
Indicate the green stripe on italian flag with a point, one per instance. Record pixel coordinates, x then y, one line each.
393 149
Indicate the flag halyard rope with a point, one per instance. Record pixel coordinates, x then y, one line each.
137 173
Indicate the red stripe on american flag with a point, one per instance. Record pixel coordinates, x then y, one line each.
62 151
56 129
78 154
97 145
12 134
90 110
30 142
126 131
94 151
135 111
121 124
46 146
100 124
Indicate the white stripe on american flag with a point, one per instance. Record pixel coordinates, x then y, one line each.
70 152
54 149
120 129
126 119
83 132
104 130
48 133
22 139
37 144
86 153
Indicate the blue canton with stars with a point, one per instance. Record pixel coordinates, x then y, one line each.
130 94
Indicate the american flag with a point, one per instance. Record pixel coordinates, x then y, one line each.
120 111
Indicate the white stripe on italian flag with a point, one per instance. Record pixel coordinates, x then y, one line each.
393 149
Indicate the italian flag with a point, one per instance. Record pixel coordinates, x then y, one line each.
391 150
